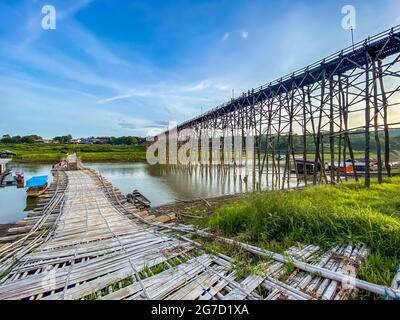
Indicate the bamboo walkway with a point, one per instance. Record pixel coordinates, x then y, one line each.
86 241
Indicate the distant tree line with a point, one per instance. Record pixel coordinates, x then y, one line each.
357 140
63 139
18 139
128 140
66 139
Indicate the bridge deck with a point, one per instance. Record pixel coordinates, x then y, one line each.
92 240
98 248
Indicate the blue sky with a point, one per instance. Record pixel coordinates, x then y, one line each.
129 67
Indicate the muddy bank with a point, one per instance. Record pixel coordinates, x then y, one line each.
185 210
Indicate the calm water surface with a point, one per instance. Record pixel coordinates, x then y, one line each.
14 204
159 184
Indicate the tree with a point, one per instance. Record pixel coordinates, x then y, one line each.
15 139
31 138
128 140
63 139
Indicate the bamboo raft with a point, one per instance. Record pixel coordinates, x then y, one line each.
85 241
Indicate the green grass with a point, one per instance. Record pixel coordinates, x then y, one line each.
396 170
51 153
323 215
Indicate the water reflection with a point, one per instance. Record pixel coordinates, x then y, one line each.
14 205
160 184
30 204
164 184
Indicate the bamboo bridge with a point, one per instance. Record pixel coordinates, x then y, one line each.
85 241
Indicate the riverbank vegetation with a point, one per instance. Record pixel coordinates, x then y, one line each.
43 152
67 139
323 215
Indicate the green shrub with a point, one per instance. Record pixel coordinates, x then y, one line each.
345 213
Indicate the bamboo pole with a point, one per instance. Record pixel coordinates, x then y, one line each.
314 269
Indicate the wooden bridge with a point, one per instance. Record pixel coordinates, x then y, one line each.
85 241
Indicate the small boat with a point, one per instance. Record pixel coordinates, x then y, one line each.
36 186
8 179
138 199
19 177
7 153
341 167
348 167
307 166
359 164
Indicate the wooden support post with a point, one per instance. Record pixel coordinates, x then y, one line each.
367 124
385 123
278 139
318 142
291 137
331 128
376 130
346 123
340 101
322 172
304 139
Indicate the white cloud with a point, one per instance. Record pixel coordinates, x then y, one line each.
244 35
202 85
169 109
131 93
221 87
226 36
116 98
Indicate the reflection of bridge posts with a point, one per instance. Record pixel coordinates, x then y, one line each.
167 147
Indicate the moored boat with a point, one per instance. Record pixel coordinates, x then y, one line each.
19 177
346 167
8 179
36 186
307 166
138 199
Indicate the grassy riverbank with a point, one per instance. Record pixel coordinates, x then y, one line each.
88 153
323 215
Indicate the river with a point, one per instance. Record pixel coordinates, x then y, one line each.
159 184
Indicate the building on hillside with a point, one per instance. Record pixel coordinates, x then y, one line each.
89 140
103 140
76 141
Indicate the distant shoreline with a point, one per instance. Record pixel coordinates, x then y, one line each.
86 161
48 153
